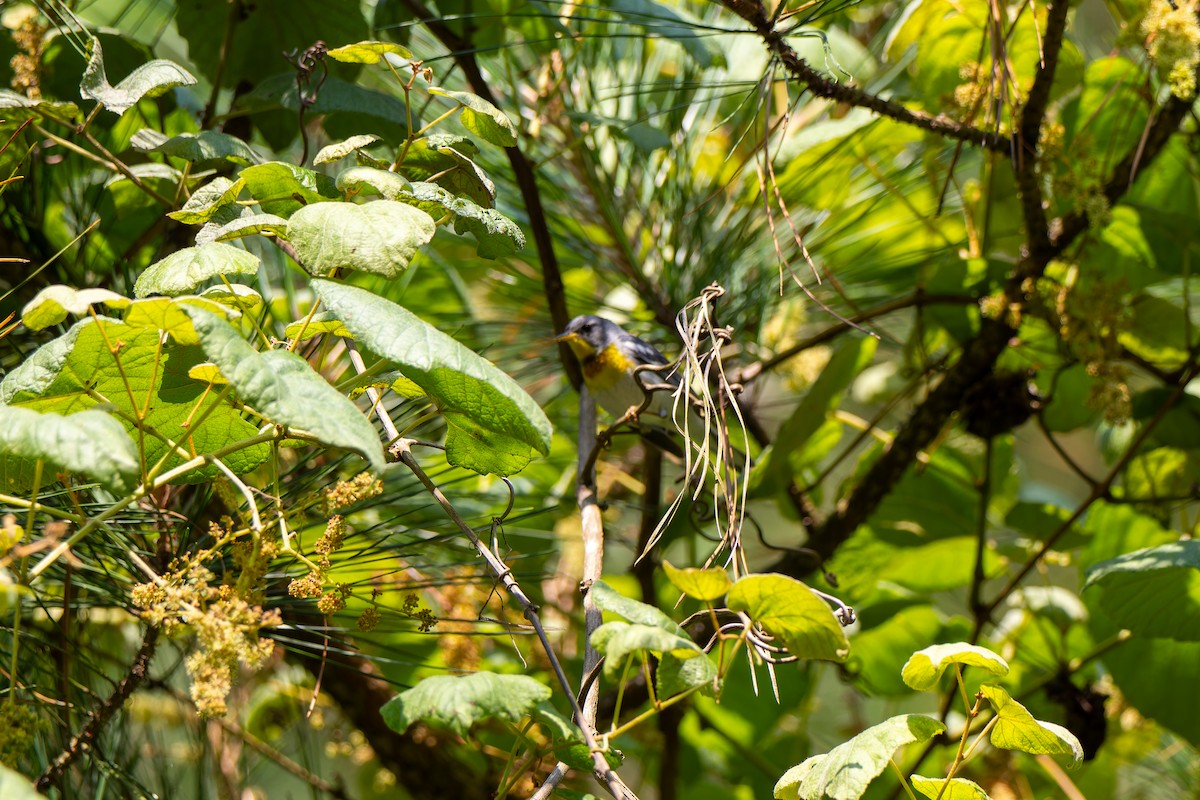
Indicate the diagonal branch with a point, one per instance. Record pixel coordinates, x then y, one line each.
1029 132
753 12
978 358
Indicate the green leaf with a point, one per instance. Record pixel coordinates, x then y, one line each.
676 674
1154 591
167 315
607 598
15 786
281 188
235 296
339 150
51 305
671 23
925 667
793 614
482 118
497 235
471 392
286 390
845 772
448 158
940 565
1157 333
773 472
201 148
957 788
249 225
616 640
321 323
368 52
390 185
1016 729
148 80
184 270
559 726
880 651
206 201
379 237
703 584
458 703
90 442
10 100
146 376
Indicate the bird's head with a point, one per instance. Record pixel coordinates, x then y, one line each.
588 334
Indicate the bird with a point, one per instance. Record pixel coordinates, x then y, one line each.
610 357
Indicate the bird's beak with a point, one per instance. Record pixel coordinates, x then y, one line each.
579 346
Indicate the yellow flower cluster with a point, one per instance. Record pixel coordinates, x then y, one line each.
1173 43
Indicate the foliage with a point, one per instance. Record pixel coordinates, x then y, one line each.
292 494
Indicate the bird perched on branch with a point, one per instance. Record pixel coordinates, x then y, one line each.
610 358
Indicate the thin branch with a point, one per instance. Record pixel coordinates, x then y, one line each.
821 85
1028 177
403 451
138 672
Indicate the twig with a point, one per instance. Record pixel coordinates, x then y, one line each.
752 11
137 674
403 451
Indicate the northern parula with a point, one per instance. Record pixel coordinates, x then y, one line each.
610 357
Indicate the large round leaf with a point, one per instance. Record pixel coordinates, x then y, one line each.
379 237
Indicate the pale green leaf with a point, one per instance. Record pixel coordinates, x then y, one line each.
676 674
148 80
355 180
206 201
281 188
379 237
247 225
703 584
79 370
184 270
198 148
607 598
368 52
1016 729
616 640
51 305
166 314
496 234
458 703
91 442
801 621
234 296
339 150
284 389
482 118
15 786
958 788
467 388
320 323
925 667
845 772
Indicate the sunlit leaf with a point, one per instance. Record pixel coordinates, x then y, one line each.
380 237
925 667
845 772
616 640
482 118
91 442
481 404
702 584
1017 729
148 80
458 703
287 391
52 305
801 621
368 52
607 598
184 270
958 788
199 148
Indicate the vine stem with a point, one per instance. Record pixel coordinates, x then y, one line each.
402 449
